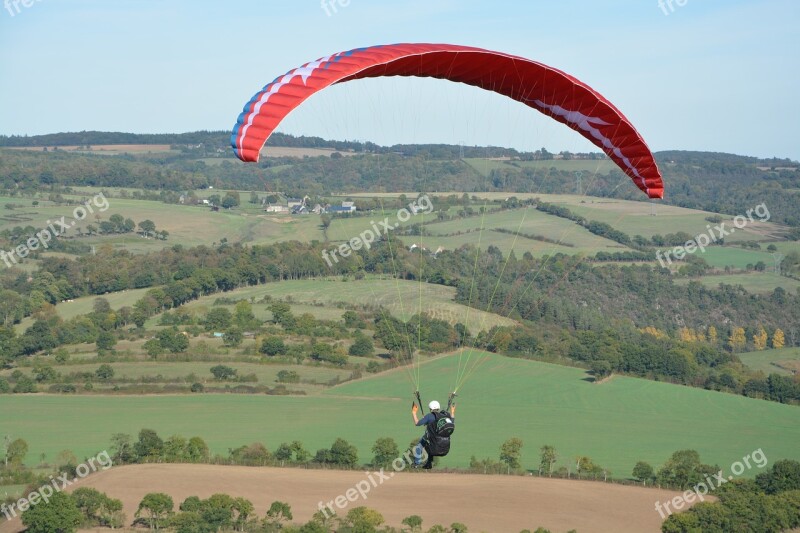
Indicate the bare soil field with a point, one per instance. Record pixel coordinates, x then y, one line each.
483 503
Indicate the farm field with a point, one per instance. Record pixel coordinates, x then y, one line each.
266 373
735 257
755 282
528 221
485 166
780 361
517 502
82 306
616 423
402 298
106 149
187 225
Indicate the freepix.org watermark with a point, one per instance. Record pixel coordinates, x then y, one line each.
711 483
366 238
668 6
43 494
714 234
42 239
363 487
331 7
14 7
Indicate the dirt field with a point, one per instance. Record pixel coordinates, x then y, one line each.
483 503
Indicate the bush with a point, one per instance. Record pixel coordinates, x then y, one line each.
197 387
273 346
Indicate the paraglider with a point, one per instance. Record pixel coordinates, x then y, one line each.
550 91
546 89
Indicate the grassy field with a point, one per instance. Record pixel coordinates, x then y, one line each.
266 373
722 256
773 361
616 423
401 298
485 166
755 282
187 225
532 222
85 305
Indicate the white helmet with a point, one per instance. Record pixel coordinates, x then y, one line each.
434 406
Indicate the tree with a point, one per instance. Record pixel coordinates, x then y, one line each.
760 339
218 319
24 385
233 337
548 459
783 476
58 515
643 472
98 509
16 452
712 334
105 341
386 451
281 313
223 373
153 348
147 227
600 368
364 519
414 522
156 507
778 340
149 446
273 346
243 314
197 450
280 512
173 340
510 452
362 347
104 372
122 444
737 340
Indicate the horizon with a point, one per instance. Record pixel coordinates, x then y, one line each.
592 149
690 76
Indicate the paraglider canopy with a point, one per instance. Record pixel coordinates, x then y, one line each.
548 90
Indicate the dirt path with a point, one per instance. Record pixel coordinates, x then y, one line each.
483 503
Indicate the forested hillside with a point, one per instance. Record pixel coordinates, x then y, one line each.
710 181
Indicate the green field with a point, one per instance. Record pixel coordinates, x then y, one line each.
755 282
485 166
267 373
773 361
85 305
187 225
401 298
615 423
722 256
531 222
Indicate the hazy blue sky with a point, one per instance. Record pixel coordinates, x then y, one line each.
716 75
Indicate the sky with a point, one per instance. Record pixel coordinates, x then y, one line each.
711 75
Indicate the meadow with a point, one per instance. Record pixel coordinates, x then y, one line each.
754 282
775 361
616 423
401 298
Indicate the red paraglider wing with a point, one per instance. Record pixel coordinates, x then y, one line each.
548 90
